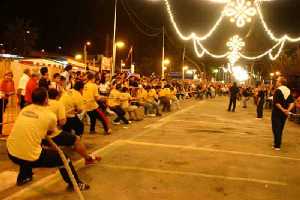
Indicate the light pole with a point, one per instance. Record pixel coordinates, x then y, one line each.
113 67
183 71
163 54
85 51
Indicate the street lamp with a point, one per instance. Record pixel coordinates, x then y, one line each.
120 44
278 73
85 51
183 71
165 62
78 57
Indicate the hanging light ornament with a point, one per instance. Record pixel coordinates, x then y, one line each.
235 45
240 12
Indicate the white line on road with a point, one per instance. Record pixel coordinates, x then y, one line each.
196 174
209 149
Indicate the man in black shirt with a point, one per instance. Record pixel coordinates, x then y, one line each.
283 103
44 81
233 92
260 102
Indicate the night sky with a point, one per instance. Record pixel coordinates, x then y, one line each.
70 23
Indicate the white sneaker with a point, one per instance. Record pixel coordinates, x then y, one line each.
116 123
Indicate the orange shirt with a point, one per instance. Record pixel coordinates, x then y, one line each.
30 87
7 87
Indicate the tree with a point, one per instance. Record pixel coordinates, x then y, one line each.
20 37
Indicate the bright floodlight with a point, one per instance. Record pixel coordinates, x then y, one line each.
120 44
240 73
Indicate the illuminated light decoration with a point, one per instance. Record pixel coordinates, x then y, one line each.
244 10
235 45
240 12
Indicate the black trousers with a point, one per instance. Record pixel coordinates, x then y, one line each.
3 103
22 102
278 123
260 109
165 101
232 102
120 114
100 115
75 124
48 159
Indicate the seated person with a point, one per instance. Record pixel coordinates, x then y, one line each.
114 103
152 99
32 125
164 95
125 103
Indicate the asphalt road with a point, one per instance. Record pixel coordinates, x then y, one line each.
201 152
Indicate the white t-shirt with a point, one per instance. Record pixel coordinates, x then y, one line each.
30 128
23 82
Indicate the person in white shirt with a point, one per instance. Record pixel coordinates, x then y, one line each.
21 87
24 147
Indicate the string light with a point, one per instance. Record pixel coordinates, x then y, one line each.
240 12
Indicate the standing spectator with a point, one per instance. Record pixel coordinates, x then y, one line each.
33 124
283 103
67 74
260 101
164 95
245 96
233 93
7 89
22 86
30 87
44 81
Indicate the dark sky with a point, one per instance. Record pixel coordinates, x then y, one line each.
69 23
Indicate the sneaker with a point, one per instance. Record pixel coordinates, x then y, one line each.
277 149
108 132
21 182
259 118
92 160
116 123
151 115
82 186
129 122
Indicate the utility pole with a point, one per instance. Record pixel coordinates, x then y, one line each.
114 40
163 54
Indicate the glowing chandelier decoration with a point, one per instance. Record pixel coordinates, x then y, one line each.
240 12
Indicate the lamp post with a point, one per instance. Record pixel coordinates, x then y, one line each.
165 63
163 55
85 51
113 67
183 71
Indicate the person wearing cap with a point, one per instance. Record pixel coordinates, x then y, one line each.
22 86
7 89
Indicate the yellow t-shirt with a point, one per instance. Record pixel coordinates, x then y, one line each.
73 101
166 92
90 93
125 98
31 126
142 95
59 110
152 95
114 98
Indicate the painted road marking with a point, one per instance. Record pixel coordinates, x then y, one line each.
209 150
8 179
253 180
